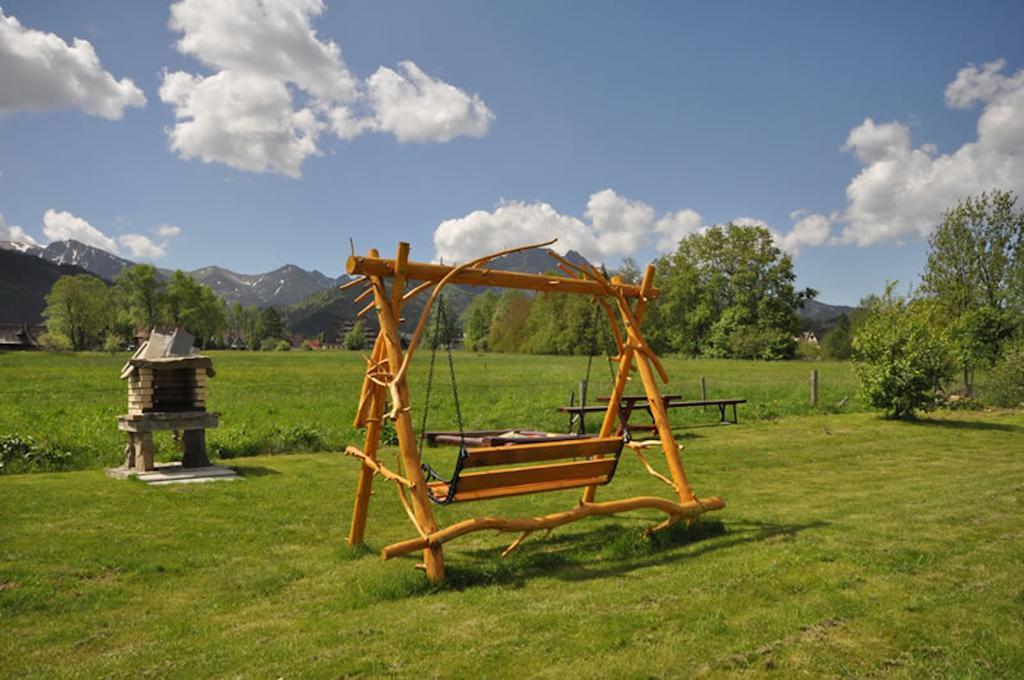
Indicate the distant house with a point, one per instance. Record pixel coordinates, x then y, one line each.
810 337
20 336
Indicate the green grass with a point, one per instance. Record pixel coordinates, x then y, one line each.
304 401
850 546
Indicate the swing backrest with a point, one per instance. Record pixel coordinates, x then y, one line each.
599 458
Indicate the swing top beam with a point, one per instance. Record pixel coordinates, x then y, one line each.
484 276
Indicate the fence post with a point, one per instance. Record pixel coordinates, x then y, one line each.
583 402
703 391
814 387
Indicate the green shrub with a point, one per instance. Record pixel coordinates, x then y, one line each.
899 357
23 454
355 339
269 344
1005 386
306 346
282 346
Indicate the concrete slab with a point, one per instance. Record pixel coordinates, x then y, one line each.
173 473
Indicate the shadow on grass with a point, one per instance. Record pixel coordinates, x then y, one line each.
254 470
952 424
600 552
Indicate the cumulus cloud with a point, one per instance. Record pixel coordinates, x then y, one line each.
142 246
809 229
41 72
60 226
901 191
12 232
266 107
417 108
243 120
674 227
613 227
168 230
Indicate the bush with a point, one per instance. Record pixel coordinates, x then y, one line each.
355 339
23 454
1006 382
112 343
899 357
55 342
269 344
306 346
282 346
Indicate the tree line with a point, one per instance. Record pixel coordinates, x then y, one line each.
83 312
727 292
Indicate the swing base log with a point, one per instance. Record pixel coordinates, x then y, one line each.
675 511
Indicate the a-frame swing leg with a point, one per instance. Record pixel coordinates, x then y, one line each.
372 403
389 312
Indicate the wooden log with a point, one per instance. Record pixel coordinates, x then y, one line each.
433 557
473 276
676 512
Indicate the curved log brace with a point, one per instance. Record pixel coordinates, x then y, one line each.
675 512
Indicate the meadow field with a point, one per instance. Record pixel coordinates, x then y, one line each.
850 546
276 402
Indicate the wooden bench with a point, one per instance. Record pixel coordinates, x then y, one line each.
594 469
720 403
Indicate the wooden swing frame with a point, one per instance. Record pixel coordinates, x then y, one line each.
386 380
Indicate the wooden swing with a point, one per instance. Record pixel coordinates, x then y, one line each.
490 472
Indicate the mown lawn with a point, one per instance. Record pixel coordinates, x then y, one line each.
850 546
304 401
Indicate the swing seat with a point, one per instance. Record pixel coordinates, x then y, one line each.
514 481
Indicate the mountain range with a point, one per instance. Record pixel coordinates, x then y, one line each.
310 300
284 286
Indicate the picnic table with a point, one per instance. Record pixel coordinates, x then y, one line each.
631 403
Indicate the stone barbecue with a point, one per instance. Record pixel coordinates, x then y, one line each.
167 392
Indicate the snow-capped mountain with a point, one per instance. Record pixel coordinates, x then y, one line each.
21 247
95 260
284 286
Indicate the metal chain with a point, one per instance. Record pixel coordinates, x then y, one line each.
442 314
430 378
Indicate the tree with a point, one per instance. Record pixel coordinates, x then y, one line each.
355 339
735 268
79 308
195 307
508 331
838 342
900 359
476 321
269 324
143 294
560 323
974 274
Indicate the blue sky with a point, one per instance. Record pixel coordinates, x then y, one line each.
616 126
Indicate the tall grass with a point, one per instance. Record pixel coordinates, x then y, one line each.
304 401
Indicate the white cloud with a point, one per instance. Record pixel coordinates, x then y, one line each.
902 191
273 38
417 108
614 227
243 120
59 226
142 246
12 232
41 72
168 230
809 229
674 227
277 86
